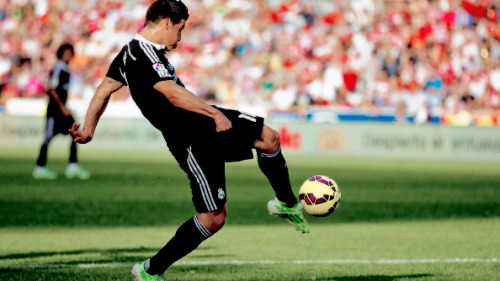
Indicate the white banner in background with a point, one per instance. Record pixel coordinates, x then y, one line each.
343 139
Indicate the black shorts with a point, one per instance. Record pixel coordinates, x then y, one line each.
204 158
58 125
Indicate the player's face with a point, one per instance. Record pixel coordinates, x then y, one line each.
173 34
67 55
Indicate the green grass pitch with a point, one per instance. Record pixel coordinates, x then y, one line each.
398 220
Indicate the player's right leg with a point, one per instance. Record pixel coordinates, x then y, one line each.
41 171
273 165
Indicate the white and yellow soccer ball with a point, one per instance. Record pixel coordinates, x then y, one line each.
319 195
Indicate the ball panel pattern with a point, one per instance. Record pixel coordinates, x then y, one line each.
319 195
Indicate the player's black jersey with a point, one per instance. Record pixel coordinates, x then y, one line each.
59 81
140 65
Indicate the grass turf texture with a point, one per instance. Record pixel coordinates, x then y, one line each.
366 245
390 209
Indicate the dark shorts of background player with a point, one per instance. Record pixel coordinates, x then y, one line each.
58 125
204 159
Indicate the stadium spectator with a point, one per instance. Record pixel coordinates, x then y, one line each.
284 96
259 42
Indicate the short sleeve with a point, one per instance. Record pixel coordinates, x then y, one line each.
54 78
116 70
141 66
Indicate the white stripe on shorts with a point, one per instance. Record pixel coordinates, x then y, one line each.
202 182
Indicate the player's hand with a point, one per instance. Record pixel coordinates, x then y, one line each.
221 122
79 136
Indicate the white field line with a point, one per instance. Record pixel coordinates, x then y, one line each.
243 262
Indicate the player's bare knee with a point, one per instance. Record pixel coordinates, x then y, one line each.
276 141
213 221
216 223
269 142
273 142
219 222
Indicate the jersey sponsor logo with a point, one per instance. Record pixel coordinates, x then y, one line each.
162 71
159 67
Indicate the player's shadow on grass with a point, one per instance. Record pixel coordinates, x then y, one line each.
375 277
104 255
78 252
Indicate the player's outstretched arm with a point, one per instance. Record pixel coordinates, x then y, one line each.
96 108
182 98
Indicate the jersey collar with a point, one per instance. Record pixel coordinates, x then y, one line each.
140 38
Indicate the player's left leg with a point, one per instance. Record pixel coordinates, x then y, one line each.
250 132
273 165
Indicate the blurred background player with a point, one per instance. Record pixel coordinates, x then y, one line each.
59 118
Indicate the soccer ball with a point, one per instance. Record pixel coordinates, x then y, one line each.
319 195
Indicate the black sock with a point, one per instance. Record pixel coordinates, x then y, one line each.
42 157
72 153
185 240
273 165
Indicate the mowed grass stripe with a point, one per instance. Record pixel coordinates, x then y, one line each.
143 188
243 262
463 239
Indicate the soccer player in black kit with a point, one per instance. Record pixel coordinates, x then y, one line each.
202 138
59 118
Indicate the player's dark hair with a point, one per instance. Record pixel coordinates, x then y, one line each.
175 10
64 47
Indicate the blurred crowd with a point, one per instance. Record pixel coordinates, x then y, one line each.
420 57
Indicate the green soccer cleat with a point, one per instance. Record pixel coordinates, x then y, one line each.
40 173
141 274
74 171
293 214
